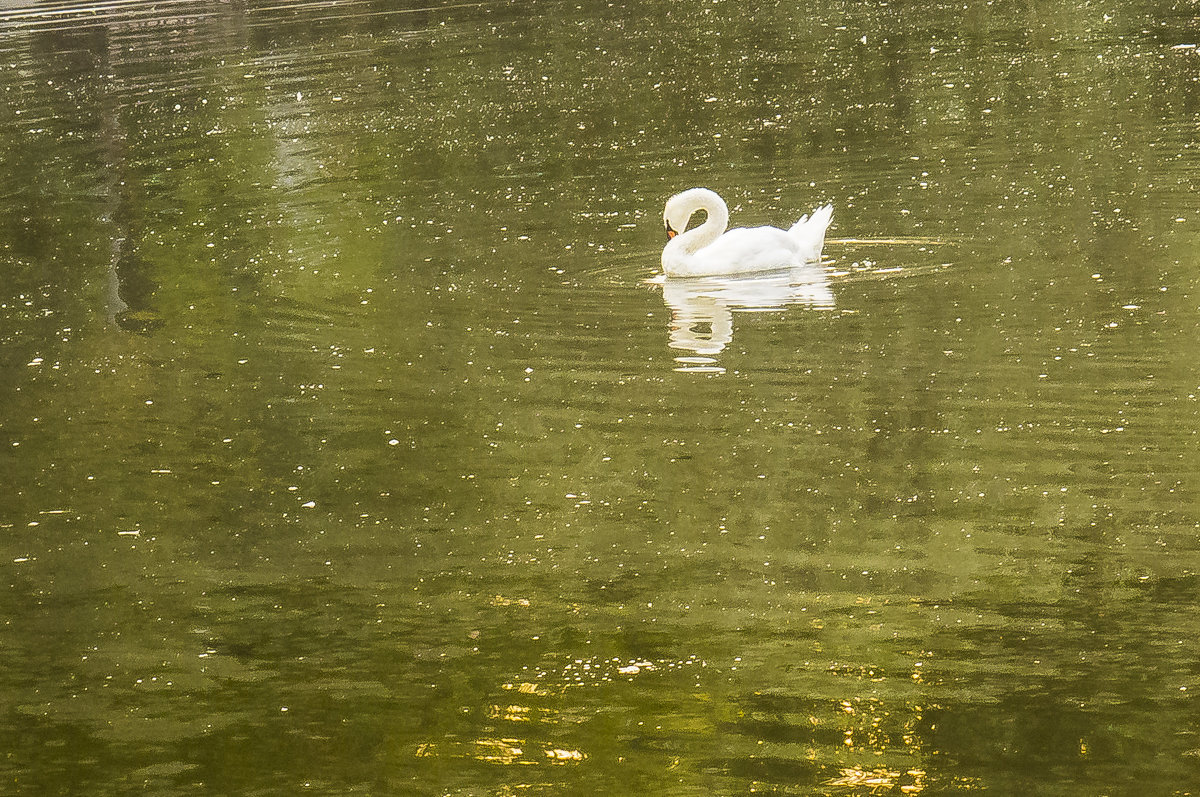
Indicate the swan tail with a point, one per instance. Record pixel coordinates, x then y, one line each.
809 225
809 232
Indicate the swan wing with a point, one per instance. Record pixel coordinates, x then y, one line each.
749 249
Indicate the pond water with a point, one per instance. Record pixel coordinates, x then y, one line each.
353 444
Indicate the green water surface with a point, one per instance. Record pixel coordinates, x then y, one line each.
352 443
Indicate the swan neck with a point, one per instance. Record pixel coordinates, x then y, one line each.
717 219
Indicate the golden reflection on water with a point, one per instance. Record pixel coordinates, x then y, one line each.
500 600
519 713
505 750
509 713
597 671
877 779
576 672
526 688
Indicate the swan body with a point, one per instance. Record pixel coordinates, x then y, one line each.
711 249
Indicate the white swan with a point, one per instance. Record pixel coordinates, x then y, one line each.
709 249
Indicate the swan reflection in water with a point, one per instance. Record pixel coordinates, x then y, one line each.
702 307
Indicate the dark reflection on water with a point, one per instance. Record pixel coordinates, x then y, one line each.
352 446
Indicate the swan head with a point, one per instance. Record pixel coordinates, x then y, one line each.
674 220
683 205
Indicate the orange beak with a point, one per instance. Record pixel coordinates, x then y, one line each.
671 233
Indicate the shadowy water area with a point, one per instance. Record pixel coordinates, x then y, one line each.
352 442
